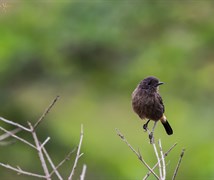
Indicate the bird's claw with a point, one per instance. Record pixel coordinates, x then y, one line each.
145 127
151 138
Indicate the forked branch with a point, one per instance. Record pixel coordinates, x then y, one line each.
40 147
160 159
136 153
78 155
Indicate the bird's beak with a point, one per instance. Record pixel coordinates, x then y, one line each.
160 83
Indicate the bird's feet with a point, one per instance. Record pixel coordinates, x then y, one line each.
151 137
145 126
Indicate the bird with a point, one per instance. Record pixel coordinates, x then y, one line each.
148 104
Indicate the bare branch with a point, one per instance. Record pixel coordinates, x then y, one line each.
38 146
46 112
51 163
179 163
152 141
137 154
77 155
20 171
17 137
82 176
45 142
159 164
14 124
7 135
6 143
64 160
162 159
165 154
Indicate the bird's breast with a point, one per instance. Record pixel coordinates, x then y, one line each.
147 106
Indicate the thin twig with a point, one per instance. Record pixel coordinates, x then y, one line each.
165 154
82 176
152 141
77 155
163 159
17 137
179 163
20 171
45 142
138 155
159 164
51 163
6 143
64 160
151 134
7 135
41 157
46 112
14 124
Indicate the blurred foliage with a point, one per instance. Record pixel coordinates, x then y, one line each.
93 54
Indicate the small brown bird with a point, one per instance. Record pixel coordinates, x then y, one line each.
148 104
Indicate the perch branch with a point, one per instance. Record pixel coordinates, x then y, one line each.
165 154
136 153
46 112
152 141
162 159
159 163
77 155
179 163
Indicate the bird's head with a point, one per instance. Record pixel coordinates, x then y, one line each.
150 83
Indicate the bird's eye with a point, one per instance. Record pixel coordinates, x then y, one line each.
149 83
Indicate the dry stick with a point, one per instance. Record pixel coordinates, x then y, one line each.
38 146
138 155
64 160
17 137
77 155
165 154
151 134
39 149
6 143
51 163
20 171
179 163
7 135
14 124
159 164
46 112
82 176
162 159
45 142
152 141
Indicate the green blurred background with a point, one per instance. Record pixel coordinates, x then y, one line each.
93 54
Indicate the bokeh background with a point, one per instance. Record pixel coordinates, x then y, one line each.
93 54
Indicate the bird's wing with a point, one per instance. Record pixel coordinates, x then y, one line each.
161 102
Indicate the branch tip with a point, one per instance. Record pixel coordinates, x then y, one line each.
46 112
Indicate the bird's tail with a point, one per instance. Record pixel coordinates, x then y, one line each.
167 127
